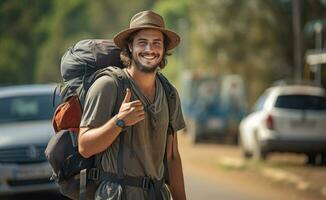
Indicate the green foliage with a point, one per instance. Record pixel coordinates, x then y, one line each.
75 20
12 56
173 11
252 38
34 34
17 39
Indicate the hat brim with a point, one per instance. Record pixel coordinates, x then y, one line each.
121 38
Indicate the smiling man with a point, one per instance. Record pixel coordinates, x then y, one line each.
150 165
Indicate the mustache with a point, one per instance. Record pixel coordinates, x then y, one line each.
149 54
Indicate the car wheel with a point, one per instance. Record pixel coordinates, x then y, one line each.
245 153
311 159
259 153
323 159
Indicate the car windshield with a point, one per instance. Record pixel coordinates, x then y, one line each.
26 108
302 102
208 90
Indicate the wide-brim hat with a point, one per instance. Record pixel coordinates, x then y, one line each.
146 20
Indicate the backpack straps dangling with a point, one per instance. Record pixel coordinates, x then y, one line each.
82 182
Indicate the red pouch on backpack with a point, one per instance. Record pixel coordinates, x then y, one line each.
68 115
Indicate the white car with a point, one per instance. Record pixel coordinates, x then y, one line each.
25 129
287 118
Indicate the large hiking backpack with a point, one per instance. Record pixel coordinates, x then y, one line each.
81 65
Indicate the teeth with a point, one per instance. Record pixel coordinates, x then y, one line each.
149 57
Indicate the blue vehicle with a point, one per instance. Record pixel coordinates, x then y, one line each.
213 107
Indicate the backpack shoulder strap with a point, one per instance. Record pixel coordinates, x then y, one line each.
122 82
122 85
171 99
120 79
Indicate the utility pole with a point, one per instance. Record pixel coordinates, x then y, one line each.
318 45
297 45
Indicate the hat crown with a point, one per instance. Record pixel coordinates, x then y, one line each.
147 18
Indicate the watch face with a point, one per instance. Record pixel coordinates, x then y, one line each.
120 123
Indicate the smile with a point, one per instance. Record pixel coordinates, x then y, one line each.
149 56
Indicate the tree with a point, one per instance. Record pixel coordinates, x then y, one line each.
75 20
18 41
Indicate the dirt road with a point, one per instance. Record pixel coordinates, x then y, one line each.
207 178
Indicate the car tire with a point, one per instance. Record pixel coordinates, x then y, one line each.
323 159
259 153
311 159
245 153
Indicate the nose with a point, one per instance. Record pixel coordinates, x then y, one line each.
148 47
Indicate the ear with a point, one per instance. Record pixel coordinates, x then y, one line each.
130 47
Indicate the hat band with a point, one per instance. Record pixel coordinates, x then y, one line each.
149 24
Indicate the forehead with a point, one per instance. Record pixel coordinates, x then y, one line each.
149 34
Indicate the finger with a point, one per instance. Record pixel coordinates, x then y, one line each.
132 109
140 119
139 108
127 97
135 103
141 114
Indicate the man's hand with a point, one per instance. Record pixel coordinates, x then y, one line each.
131 112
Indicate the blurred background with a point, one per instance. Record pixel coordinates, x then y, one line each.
231 52
254 39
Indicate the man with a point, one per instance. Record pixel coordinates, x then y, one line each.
144 114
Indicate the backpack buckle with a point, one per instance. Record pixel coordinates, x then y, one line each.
93 174
54 177
146 182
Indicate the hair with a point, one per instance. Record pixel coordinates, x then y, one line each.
126 55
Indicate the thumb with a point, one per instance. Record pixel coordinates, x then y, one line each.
127 97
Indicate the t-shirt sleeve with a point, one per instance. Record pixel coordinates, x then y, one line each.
177 121
99 103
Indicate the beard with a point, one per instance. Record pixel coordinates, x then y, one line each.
145 69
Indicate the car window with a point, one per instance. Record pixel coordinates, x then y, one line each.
208 90
302 102
26 108
260 102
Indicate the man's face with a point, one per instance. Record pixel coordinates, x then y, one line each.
147 50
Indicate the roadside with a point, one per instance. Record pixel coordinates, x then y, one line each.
287 172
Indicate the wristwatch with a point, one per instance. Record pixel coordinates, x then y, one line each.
120 123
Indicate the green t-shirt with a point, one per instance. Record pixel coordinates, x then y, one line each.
145 142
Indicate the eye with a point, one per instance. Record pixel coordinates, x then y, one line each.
141 43
157 43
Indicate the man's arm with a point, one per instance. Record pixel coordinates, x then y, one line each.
95 140
175 169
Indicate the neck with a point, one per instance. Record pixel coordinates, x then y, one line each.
145 81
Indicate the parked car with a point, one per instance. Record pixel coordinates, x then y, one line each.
286 118
213 107
25 129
